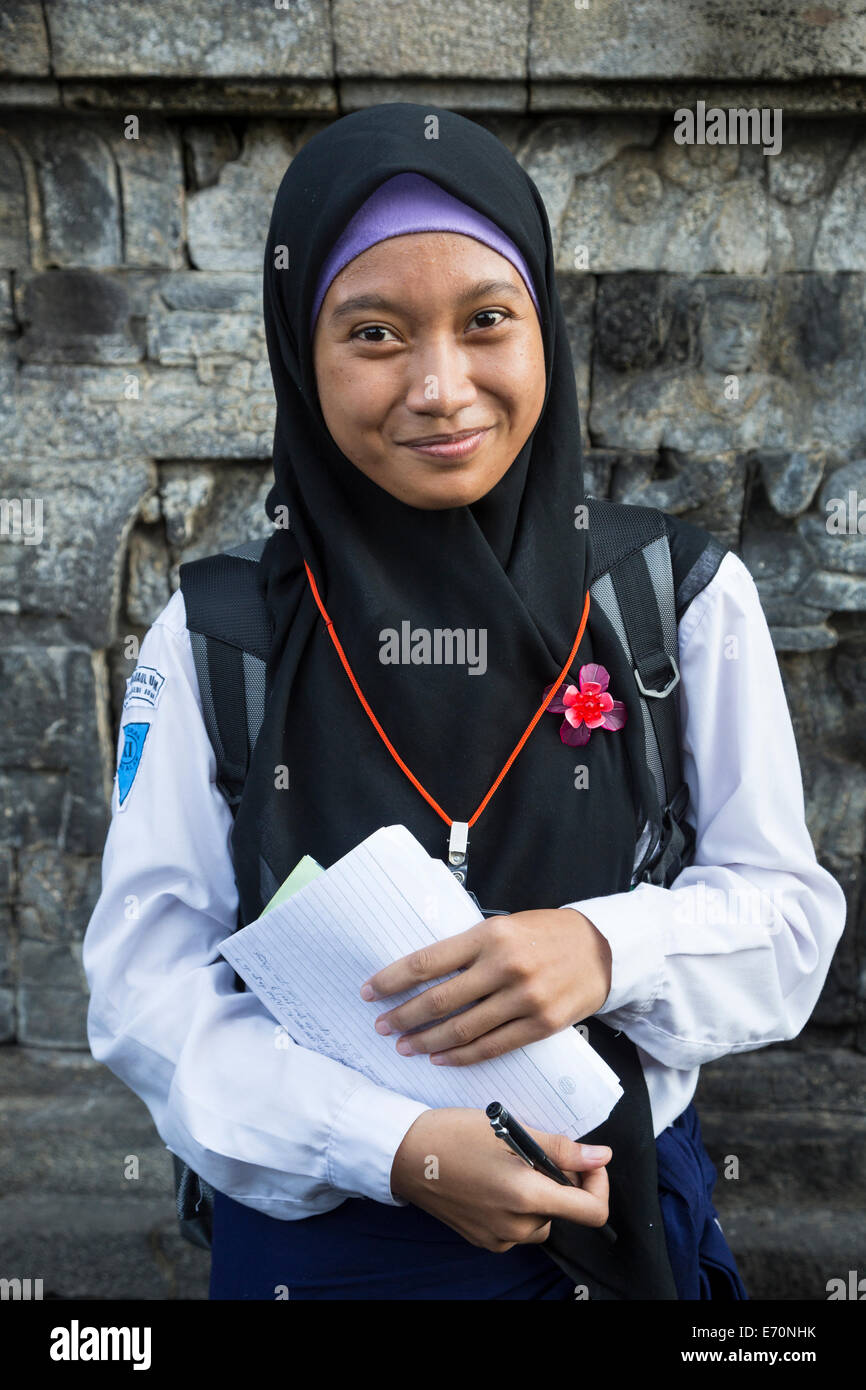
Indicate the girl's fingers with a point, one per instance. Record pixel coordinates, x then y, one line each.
571 1156
587 1204
428 963
490 1041
441 999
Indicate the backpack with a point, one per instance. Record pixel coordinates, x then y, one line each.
636 553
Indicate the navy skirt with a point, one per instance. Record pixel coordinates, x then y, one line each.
365 1249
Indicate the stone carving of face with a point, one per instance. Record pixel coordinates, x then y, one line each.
730 334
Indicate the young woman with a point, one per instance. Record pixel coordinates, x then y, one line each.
427 472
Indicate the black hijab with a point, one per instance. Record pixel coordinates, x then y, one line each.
513 563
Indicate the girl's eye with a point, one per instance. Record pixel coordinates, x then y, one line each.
371 328
489 313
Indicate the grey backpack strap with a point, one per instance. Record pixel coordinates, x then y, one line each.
230 636
633 583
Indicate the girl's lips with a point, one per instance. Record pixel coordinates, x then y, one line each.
445 449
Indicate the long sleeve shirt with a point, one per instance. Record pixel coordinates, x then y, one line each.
731 957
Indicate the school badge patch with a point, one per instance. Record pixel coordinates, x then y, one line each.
144 687
133 746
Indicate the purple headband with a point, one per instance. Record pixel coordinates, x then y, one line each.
413 203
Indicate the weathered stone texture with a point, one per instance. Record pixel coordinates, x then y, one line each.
695 39
134 38
399 38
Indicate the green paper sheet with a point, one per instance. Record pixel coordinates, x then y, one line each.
303 873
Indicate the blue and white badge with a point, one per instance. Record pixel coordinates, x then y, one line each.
130 757
144 687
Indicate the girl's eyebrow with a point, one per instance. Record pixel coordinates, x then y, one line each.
379 301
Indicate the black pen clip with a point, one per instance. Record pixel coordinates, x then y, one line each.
502 1133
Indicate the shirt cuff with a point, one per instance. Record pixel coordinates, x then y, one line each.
367 1133
637 955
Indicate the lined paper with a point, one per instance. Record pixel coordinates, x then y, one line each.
307 957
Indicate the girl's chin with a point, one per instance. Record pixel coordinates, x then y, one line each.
439 484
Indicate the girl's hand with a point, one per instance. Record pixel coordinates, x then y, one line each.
523 977
482 1190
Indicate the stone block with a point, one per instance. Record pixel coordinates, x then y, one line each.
408 38
33 806
227 223
57 894
53 706
695 39
209 341
180 416
24 40
212 511
78 193
150 171
51 965
52 1017
76 316
131 38
78 524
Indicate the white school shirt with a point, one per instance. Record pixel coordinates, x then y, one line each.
696 972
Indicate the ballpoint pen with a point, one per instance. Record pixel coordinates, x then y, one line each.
521 1143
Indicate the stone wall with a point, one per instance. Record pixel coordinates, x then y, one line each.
140 152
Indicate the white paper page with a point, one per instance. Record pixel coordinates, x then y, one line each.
307 958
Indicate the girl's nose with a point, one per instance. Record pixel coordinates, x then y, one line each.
439 380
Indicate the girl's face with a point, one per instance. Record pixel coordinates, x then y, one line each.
430 366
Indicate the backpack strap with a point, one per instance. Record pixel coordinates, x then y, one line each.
635 553
230 634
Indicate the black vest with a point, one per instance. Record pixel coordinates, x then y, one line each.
636 1265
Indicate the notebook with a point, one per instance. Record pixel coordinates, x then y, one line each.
327 930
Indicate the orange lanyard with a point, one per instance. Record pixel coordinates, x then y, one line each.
458 839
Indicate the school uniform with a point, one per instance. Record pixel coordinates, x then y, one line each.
299 1147
286 1133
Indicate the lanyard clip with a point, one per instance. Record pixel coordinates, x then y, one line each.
458 850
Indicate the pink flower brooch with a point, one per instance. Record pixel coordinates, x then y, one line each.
587 708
